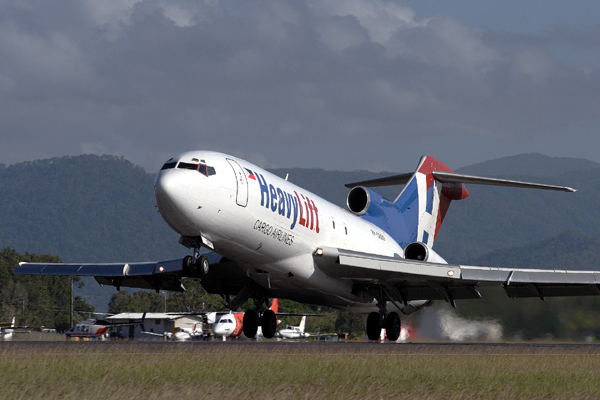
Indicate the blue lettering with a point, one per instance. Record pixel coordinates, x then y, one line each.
287 204
281 202
264 190
294 203
273 198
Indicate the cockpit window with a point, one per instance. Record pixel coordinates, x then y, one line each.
206 170
169 165
184 165
202 168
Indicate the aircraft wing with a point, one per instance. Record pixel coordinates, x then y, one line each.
406 280
227 279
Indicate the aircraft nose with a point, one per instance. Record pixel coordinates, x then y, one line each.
170 190
170 187
218 330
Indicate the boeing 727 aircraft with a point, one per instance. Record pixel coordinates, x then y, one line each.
271 238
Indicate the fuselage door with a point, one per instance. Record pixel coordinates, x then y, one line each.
241 197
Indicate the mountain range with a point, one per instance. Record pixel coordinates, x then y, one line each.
101 209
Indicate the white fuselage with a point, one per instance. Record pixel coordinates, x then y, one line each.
292 332
268 225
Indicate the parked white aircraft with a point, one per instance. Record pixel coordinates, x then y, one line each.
180 334
8 329
294 332
271 238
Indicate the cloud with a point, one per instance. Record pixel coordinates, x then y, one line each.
288 83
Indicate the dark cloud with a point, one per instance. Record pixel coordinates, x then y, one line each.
361 84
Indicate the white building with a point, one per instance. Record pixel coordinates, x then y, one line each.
154 322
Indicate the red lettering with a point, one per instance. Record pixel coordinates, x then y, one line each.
314 207
308 213
301 220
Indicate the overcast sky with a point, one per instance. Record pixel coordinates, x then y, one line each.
361 84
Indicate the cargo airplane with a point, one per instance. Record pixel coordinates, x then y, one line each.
270 238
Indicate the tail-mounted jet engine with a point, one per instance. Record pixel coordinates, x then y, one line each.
419 251
364 201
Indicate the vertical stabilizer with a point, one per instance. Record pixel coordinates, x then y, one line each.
302 324
275 306
424 201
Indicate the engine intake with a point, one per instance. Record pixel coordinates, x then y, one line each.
419 251
359 200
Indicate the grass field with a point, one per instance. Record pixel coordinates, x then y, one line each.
158 370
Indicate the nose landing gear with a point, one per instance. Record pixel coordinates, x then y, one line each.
196 265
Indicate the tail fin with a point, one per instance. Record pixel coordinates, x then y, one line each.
302 324
275 306
419 210
424 200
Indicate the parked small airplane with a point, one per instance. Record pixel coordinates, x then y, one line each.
271 238
179 334
294 332
8 329
298 332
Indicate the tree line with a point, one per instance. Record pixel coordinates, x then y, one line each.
38 301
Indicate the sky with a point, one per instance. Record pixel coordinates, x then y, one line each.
357 84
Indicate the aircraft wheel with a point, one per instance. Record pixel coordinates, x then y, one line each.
188 263
204 266
373 328
393 326
269 324
250 324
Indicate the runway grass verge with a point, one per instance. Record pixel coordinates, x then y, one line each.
136 370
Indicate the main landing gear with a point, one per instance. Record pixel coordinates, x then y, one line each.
267 321
377 320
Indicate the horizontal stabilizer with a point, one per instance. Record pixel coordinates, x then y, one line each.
451 177
387 181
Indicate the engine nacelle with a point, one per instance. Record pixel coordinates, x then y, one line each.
363 201
421 252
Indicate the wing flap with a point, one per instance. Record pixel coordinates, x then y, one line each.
417 280
355 265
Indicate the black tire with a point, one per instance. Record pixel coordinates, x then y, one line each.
203 266
188 265
250 324
269 324
373 328
393 325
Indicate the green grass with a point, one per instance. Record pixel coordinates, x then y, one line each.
304 370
